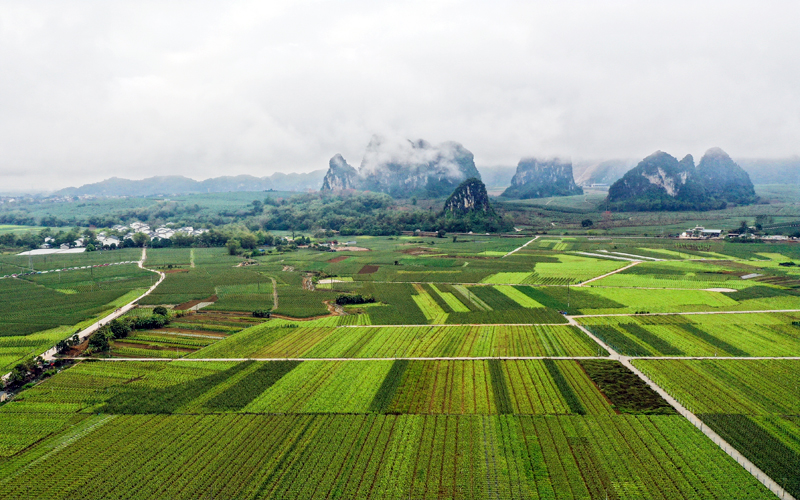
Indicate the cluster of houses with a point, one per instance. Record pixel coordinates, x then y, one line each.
108 240
159 233
701 233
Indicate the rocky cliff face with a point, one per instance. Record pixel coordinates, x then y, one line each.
661 182
404 169
724 179
536 178
469 196
340 175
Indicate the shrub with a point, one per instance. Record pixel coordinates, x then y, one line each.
260 313
346 299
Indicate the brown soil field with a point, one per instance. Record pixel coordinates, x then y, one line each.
339 258
368 269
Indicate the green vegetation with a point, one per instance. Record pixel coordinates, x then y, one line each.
751 404
418 367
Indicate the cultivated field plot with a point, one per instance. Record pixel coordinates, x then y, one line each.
183 335
753 404
683 274
762 334
276 339
357 429
37 313
567 268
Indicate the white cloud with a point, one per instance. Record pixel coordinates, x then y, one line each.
91 90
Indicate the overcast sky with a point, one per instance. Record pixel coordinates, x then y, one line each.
90 90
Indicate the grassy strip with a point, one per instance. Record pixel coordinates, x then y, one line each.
383 398
564 388
518 297
502 400
660 345
759 446
710 339
618 340
244 391
451 300
627 392
436 296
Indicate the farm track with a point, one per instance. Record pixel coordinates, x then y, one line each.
609 274
49 355
456 358
523 246
760 475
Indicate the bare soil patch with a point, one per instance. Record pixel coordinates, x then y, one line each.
368 269
188 305
351 249
338 259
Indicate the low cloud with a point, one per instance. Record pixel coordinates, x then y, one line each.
91 90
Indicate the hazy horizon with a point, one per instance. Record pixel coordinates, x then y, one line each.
97 90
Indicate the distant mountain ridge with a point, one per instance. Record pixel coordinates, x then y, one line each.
178 184
540 178
661 182
404 169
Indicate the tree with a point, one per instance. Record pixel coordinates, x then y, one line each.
248 241
160 310
119 329
234 246
141 239
587 223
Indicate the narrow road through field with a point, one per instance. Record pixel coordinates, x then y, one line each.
691 417
274 294
523 246
609 274
50 354
684 313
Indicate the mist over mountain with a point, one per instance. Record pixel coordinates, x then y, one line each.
772 170
540 178
602 172
497 176
176 184
661 182
404 168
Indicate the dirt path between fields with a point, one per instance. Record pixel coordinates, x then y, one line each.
50 354
523 246
274 294
684 313
691 417
609 274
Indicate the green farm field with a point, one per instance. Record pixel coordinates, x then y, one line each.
449 369
753 404
400 429
763 334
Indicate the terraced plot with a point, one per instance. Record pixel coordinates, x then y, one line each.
764 334
752 404
288 340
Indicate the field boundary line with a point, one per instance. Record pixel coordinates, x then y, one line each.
437 358
520 248
684 313
749 466
452 324
609 274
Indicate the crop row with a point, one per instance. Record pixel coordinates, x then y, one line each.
676 335
268 341
378 456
